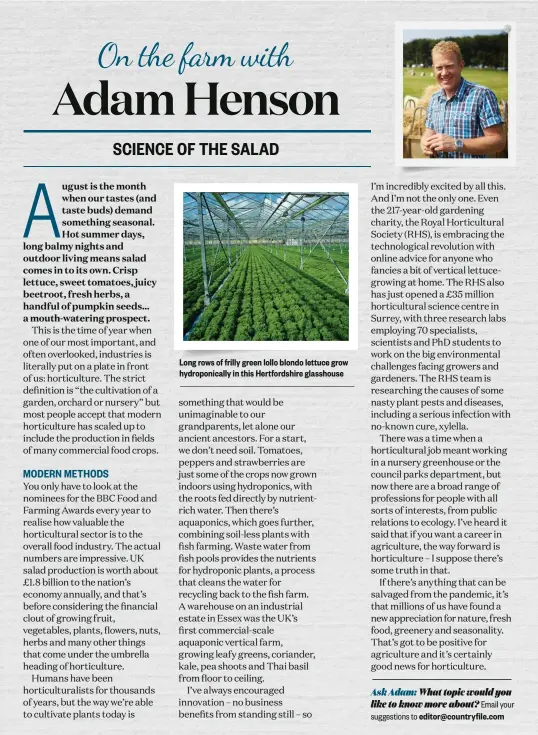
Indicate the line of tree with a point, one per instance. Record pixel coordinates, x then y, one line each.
491 50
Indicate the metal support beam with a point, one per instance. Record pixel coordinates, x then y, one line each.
229 252
202 247
302 242
220 245
228 211
275 210
235 245
327 252
311 206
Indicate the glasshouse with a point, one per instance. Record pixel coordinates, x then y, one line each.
270 267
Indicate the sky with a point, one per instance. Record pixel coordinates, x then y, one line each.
410 34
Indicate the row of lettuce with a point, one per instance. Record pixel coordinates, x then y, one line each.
266 298
193 281
316 263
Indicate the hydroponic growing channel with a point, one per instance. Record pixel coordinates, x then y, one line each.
265 266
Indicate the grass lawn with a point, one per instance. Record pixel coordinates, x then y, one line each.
495 80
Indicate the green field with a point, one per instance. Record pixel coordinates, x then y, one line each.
268 297
495 80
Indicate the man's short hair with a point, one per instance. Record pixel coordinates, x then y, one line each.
444 47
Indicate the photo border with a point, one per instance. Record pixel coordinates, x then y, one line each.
398 81
353 278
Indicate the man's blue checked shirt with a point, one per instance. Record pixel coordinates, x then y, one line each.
465 115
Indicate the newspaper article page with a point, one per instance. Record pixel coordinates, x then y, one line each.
269 368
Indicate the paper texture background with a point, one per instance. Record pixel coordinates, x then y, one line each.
347 47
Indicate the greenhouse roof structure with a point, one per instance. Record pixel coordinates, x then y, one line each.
262 216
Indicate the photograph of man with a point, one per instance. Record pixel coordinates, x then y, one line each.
463 119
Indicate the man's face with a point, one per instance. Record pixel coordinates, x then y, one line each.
447 69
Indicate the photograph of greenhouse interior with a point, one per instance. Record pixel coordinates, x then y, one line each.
265 267
455 93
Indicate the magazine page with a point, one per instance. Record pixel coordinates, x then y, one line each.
269 368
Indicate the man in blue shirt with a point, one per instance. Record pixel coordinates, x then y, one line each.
463 118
